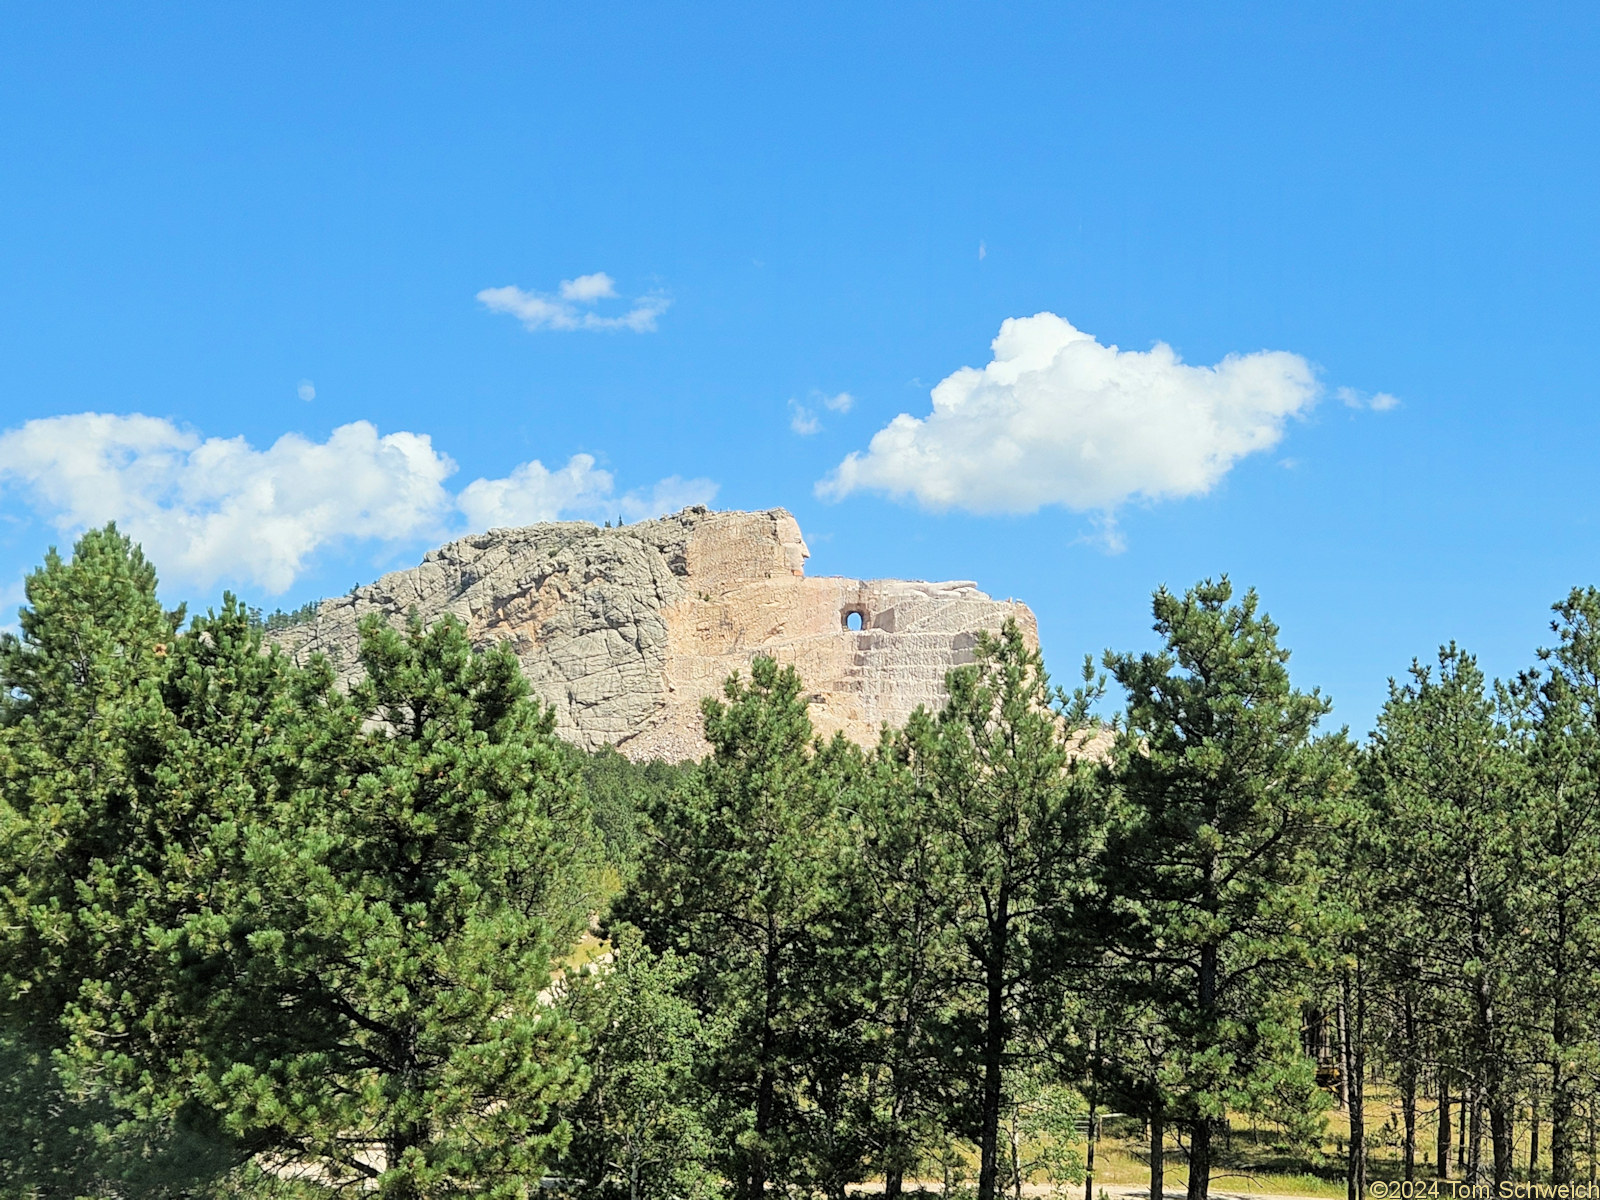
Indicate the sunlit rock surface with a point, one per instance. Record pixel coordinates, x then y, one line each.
624 630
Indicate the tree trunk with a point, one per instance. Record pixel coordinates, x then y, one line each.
1352 1001
1489 1086
765 1085
1200 1149
406 1134
1200 1159
1158 1154
894 1172
1408 1091
1475 1135
1016 1160
758 1156
994 1046
1591 1146
1563 1101
405 1189
1500 1132
1408 1117
1443 1166
1088 1156
1533 1141
1340 1016
1461 1126
1563 1119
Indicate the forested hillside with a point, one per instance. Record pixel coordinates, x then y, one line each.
261 936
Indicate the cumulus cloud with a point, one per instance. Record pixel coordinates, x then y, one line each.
572 306
209 508
533 493
1057 418
840 403
669 495
212 509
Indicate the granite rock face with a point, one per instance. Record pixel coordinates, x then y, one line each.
624 630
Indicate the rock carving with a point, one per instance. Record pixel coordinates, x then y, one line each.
624 630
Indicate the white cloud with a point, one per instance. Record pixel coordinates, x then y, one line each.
668 496
533 493
213 509
1376 402
802 420
570 307
306 391
1107 536
11 599
1057 418
588 289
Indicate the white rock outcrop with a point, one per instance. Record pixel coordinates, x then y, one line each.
624 630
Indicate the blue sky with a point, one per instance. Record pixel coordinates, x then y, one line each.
207 214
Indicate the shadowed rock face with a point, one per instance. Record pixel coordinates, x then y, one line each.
624 630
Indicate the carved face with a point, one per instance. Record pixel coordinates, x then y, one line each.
795 552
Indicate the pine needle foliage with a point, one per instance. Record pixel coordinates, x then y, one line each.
1226 798
395 958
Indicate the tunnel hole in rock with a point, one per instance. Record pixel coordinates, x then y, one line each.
855 619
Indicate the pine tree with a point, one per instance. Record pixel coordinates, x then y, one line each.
640 1129
203 764
903 916
841 1081
1226 797
378 983
1445 775
77 684
733 879
617 792
76 681
1014 811
1560 849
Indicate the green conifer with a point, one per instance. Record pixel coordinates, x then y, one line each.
1226 797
